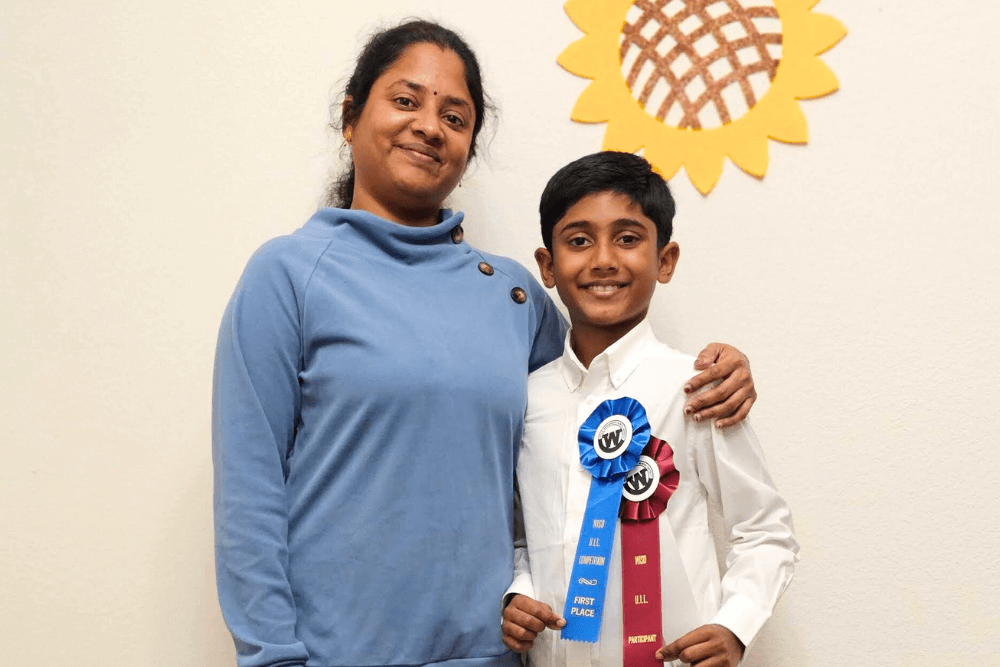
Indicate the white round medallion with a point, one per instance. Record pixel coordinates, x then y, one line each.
613 437
641 481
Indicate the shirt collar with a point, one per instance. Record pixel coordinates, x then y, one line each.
622 357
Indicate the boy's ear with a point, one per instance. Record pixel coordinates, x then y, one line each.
667 257
544 259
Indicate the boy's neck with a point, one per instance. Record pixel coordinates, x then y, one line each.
588 341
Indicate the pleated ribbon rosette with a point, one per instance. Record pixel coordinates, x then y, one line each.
610 441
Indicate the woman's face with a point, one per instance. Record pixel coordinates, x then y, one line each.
411 143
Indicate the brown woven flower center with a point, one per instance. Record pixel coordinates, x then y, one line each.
699 64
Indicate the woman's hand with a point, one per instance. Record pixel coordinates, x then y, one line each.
729 402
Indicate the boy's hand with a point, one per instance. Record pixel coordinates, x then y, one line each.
707 646
523 619
730 401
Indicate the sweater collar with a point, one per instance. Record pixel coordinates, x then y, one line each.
401 242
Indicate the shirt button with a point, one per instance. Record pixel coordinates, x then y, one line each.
457 234
518 295
486 268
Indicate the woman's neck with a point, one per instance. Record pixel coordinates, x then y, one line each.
410 217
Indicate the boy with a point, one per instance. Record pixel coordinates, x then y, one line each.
615 394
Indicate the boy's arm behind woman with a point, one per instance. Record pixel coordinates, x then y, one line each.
523 616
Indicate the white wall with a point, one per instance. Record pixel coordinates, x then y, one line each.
148 149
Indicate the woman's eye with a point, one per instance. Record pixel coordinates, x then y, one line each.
457 121
404 102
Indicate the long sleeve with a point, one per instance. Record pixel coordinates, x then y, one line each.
547 344
758 524
254 411
522 583
550 333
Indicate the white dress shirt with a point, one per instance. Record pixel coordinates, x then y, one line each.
725 466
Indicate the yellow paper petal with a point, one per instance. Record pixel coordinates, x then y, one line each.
750 155
663 159
815 79
823 32
788 123
622 136
702 177
704 167
595 104
581 58
590 16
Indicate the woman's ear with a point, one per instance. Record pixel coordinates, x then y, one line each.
347 118
544 259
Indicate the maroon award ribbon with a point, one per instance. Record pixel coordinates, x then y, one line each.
648 487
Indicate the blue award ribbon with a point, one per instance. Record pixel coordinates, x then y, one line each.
611 440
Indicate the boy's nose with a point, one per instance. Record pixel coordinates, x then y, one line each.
605 257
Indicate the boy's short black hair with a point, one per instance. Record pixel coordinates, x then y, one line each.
608 171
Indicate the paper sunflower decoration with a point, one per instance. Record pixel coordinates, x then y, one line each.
694 81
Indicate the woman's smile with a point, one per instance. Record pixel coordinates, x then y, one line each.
421 153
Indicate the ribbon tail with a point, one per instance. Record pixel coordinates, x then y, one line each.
589 578
642 615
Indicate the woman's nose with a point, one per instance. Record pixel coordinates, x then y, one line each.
427 124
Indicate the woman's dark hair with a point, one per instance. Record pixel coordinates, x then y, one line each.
608 171
382 50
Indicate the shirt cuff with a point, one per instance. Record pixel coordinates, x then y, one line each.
742 617
522 585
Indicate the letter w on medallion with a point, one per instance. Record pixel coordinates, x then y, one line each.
611 442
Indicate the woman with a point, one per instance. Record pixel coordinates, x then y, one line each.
370 390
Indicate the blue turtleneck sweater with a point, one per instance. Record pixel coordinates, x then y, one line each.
368 403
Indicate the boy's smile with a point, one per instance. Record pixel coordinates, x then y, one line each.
605 265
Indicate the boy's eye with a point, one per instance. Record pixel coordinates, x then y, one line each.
578 241
628 239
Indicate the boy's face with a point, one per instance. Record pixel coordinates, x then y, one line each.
605 264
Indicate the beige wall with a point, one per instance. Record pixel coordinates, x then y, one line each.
147 149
